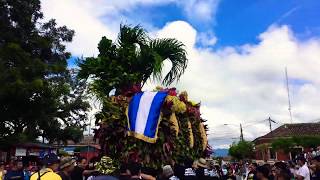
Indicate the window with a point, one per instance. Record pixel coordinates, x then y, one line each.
272 154
295 152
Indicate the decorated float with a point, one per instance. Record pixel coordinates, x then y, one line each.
153 127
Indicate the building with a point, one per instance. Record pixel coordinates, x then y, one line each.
263 150
27 151
87 148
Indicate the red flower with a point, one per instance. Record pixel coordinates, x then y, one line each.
172 92
131 90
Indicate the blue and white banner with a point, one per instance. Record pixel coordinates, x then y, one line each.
144 115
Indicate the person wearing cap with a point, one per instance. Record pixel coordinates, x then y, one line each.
202 171
51 164
66 167
168 174
303 173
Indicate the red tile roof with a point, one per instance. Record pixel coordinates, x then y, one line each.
291 130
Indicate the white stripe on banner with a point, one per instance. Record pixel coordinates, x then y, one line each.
143 111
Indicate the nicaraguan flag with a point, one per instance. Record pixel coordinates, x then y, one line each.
144 115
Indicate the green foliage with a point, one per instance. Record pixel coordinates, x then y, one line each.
133 59
283 143
287 143
38 95
241 150
307 141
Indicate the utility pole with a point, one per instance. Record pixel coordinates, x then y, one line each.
289 103
270 121
241 133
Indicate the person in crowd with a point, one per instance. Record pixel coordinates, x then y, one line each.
262 173
80 170
51 165
315 168
16 171
178 170
2 170
26 172
66 167
219 171
202 171
252 172
168 174
230 175
303 173
124 172
213 172
292 168
284 176
224 170
189 173
148 173
135 171
281 169
270 175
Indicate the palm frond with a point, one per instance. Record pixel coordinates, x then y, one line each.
132 35
173 50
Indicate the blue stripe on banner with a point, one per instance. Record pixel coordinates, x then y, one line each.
133 110
154 113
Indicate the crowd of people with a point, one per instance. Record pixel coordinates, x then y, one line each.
68 168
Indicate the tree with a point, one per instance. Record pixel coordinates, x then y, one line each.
38 96
132 60
125 66
241 150
284 144
307 141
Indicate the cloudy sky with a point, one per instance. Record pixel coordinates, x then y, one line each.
237 51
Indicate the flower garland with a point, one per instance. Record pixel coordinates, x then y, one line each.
181 132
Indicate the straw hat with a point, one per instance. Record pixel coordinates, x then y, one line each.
167 171
66 162
202 163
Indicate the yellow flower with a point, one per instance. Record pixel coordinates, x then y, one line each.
203 136
174 121
105 165
177 105
193 103
191 138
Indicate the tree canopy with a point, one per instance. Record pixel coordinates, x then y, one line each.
286 144
38 95
241 150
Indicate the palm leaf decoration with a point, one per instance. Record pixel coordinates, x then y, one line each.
133 59
173 50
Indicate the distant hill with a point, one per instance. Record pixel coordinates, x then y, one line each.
220 152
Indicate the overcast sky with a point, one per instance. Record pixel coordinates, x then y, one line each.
237 52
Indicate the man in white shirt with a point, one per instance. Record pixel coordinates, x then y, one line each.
303 173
